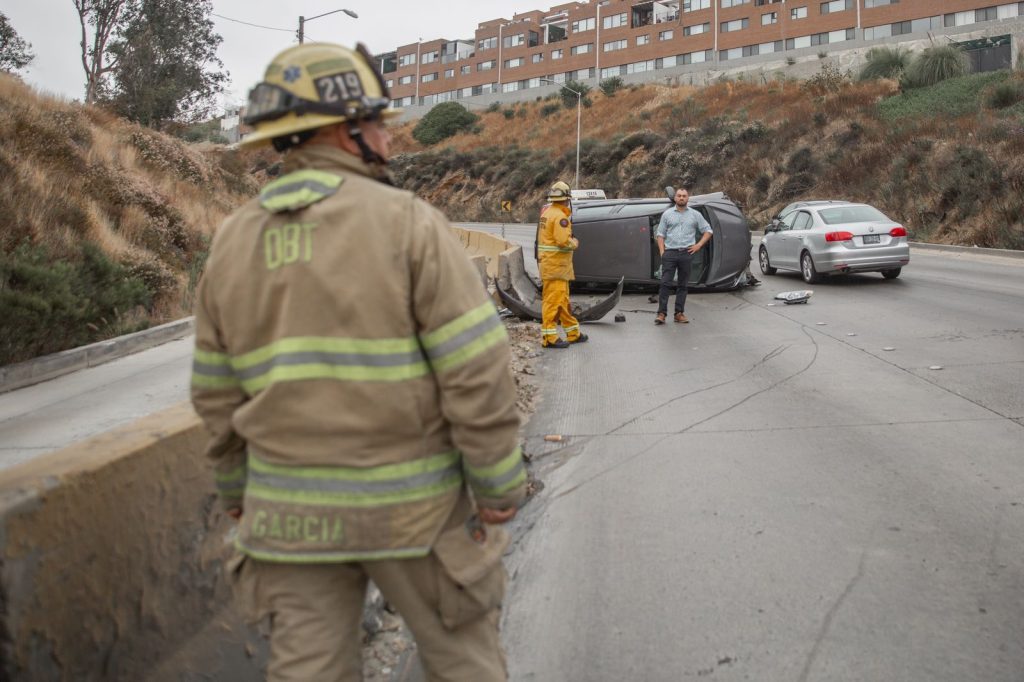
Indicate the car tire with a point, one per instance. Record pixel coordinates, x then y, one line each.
762 259
892 274
807 270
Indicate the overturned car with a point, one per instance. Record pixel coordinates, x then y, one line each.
618 248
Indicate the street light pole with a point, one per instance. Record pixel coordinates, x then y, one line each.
303 20
579 117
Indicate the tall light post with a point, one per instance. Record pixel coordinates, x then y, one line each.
303 20
579 113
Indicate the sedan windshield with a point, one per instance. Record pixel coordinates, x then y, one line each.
851 214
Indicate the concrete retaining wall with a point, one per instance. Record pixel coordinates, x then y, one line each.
111 557
482 244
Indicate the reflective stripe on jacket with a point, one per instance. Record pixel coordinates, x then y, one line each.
352 371
554 242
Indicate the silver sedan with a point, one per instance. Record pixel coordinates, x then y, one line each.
834 238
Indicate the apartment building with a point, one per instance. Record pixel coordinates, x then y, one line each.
599 39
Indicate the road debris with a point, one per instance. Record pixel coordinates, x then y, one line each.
553 438
792 297
619 317
889 348
935 367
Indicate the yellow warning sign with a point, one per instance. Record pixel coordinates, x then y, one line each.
506 206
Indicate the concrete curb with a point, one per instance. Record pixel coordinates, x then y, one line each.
30 372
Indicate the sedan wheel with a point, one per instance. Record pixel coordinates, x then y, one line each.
892 274
762 258
807 270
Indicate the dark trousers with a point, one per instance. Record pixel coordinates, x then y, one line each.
671 261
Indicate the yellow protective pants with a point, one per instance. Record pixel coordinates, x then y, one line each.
555 310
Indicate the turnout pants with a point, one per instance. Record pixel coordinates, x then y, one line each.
315 611
555 310
674 260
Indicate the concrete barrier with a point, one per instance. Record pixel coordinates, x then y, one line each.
111 559
482 244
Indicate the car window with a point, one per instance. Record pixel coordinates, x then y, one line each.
851 214
803 221
786 222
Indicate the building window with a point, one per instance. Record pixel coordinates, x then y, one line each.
641 67
407 59
465 68
665 35
427 77
389 83
694 5
487 43
616 45
643 40
733 3
836 6
798 13
614 21
485 66
537 58
696 29
510 87
611 72
584 25
581 49
514 41
769 18
513 63
405 80
735 25
557 54
762 3
449 73
868 4
429 57
694 57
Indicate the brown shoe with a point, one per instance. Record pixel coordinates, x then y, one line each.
681 318
660 319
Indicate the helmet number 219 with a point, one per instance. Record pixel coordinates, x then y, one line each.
339 87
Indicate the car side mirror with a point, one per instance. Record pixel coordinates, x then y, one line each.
671 192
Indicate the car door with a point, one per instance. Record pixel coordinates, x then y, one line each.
800 225
776 244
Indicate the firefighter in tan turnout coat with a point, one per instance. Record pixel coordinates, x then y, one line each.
355 379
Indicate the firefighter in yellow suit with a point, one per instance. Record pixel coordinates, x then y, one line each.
355 380
555 246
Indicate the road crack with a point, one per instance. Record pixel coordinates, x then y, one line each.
826 626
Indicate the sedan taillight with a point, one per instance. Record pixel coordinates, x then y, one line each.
838 236
898 232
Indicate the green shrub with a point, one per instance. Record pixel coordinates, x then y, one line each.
492 107
1006 94
443 121
509 114
609 86
934 65
568 97
885 62
549 109
49 306
828 79
953 97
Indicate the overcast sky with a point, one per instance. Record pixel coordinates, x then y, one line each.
52 28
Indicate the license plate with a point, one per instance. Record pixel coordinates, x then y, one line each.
872 238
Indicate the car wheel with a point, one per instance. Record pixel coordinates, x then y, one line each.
762 258
807 270
892 274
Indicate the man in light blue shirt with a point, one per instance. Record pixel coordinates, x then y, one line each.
677 242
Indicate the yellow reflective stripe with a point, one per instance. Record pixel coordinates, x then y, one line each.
336 499
559 249
458 325
204 381
309 174
470 350
299 189
379 473
330 557
208 357
498 478
324 344
333 372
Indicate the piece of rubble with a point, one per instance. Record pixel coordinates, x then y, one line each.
553 438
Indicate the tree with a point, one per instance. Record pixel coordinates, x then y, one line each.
15 53
568 97
442 122
102 18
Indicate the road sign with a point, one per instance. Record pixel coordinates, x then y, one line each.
506 206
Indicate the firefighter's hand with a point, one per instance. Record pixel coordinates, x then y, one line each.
235 513
575 243
496 516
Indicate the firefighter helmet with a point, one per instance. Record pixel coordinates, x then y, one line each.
559 192
314 85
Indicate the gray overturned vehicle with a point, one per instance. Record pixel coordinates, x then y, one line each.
618 248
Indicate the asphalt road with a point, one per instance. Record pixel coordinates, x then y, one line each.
768 493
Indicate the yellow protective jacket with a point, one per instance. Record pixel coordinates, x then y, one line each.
351 369
554 243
